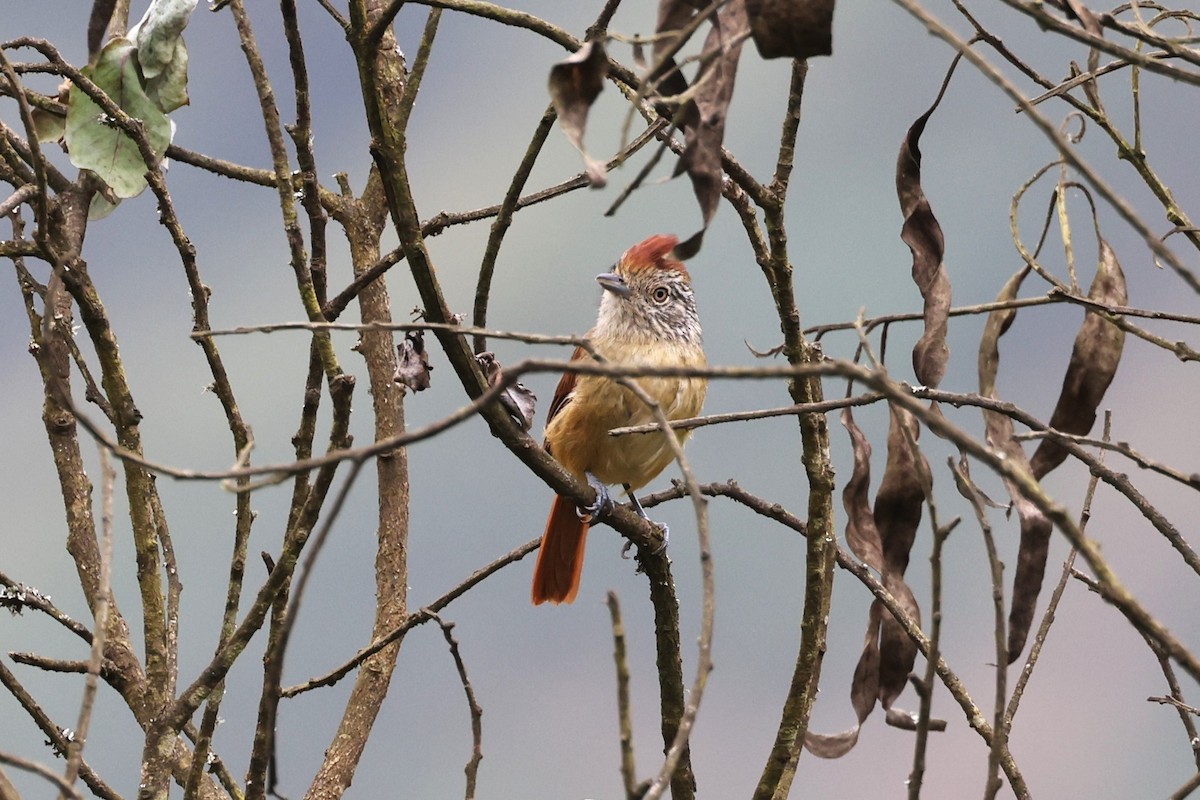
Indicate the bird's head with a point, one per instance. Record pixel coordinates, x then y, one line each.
648 295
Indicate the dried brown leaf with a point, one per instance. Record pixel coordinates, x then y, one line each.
575 82
901 495
413 369
1094 361
791 28
864 689
521 404
701 158
664 76
883 538
1031 569
968 488
923 235
673 16
861 535
1035 537
1035 526
518 400
998 322
898 507
1091 24
102 11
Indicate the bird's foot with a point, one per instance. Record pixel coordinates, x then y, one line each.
641 512
666 534
601 507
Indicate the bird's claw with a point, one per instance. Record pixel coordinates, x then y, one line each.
666 534
641 512
601 507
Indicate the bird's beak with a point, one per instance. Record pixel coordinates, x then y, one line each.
612 282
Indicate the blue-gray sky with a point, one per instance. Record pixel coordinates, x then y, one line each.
544 675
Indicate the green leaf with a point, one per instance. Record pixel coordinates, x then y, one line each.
159 32
95 143
162 54
48 125
101 207
168 89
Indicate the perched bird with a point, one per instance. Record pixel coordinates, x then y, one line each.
647 317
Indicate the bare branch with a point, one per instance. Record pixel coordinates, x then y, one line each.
472 768
624 712
424 615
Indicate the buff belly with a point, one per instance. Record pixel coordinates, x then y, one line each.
578 434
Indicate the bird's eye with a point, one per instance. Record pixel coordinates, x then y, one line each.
660 294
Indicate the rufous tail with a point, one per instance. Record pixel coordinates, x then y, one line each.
560 558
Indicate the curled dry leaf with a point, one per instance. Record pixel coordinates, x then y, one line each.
705 133
1031 567
673 15
414 368
861 535
883 538
1094 360
898 505
864 690
923 235
518 400
968 488
575 82
102 11
997 324
663 77
48 125
1035 526
1091 23
791 28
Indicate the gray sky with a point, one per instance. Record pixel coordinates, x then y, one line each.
544 676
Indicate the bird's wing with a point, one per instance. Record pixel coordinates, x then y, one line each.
565 391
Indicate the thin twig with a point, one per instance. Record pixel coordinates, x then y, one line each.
359 327
54 735
624 710
99 636
691 423
414 619
65 789
1117 480
999 746
1187 479
1171 701
1185 791
472 768
1066 151
17 596
676 771
503 220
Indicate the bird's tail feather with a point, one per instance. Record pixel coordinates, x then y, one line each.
560 559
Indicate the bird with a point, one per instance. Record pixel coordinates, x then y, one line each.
647 316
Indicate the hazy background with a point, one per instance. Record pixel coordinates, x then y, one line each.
544 676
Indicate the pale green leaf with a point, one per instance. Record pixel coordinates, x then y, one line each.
158 33
168 89
101 207
94 142
48 125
